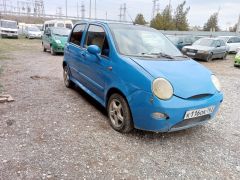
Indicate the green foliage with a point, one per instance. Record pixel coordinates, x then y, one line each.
163 21
166 20
180 17
140 19
212 23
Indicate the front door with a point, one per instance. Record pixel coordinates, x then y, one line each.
97 69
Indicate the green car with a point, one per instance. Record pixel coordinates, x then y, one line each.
237 60
54 39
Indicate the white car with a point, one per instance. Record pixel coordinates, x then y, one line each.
233 42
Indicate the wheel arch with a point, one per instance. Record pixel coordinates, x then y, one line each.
112 91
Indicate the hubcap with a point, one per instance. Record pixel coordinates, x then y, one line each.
116 113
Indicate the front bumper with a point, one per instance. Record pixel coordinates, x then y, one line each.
33 36
9 35
201 56
237 61
144 104
58 48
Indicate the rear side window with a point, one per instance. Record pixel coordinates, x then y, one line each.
97 36
77 33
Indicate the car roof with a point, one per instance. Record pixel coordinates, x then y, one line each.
104 22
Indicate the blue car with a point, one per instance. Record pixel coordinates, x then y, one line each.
140 77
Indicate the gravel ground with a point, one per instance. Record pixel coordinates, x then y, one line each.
51 132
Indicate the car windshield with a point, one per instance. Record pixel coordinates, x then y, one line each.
225 39
8 24
204 42
33 28
61 32
134 40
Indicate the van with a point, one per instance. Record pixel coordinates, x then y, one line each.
8 28
58 23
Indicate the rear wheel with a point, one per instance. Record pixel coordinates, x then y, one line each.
66 77
119 114
44 49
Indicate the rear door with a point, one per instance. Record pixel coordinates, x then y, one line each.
73 51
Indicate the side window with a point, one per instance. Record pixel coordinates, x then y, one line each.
217 43
97 36
69 26
231 40
237 40
222 43
77 33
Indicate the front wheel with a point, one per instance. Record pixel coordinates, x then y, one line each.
44 49
210 57
52 51
119 114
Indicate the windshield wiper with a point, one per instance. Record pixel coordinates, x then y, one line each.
161 54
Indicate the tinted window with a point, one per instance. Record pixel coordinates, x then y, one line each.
77 33
97 36
69 26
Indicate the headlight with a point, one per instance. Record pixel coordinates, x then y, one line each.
202 52
162 88
58 41
216 82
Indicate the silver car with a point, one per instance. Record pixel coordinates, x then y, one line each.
207 49
32 32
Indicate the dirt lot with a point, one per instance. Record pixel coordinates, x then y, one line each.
51 132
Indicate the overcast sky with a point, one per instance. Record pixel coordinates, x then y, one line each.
198 14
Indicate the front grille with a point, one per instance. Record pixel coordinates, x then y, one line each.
189 122
192 50
200 96
8 31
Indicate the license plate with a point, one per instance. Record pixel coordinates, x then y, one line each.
191 53
199 112
9 34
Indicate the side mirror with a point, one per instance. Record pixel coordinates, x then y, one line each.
94 49
218 46
229 41
180 42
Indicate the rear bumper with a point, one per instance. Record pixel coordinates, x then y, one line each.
144 104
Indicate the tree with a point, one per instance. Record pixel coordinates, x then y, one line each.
163 21
140 19
212 23
233 29
180 17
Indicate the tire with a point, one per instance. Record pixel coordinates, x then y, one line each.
225 56
119 114
44 49
52 51
66 77
209 58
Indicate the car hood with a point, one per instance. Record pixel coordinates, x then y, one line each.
63 39
198 47
187 77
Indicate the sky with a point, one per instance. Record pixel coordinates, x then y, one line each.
200 10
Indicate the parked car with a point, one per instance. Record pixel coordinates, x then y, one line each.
8 29
140 77
181 41
32 32
58 23
54 39
237 58
207 49
232 41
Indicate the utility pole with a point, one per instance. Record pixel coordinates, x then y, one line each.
66 8
238 25
83 10
90 8
124 11
77 10
106 14
120 15
154 8
95 8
